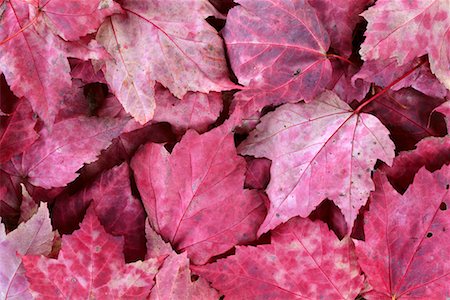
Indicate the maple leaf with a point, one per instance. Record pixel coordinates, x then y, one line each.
344 84
318 150
407 238
33 237
257 175
383 72
405 30
170 42
194 111
173 281
120 213
339 17
89 248
407 115
32 58
304 259
289 66
194 197
72 20
431 152
17 131
55 157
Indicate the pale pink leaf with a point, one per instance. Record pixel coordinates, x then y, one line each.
55 157
406 246
318 150
194 197
305 260
33 237
173 282
194 111
156 247
74 19
405 30
165 41
89 248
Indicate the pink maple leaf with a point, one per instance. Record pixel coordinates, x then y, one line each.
405 30
89 248
304 259
194 197
32 56
33 237
55 157
17 131
171 43
318 150
120 213
407 236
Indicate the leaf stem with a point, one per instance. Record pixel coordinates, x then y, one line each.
341 58
387 88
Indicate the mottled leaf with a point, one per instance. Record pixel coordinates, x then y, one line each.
318 150
304 260
55 157
33 59
120 213
165 41
405 30
33 237
194 197
288 66
89 248
404 254
173 282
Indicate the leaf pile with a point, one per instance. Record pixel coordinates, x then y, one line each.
272 149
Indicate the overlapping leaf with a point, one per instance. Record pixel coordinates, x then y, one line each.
31 238
89 248
55 157
304 260
405 30
120 213
194 197
318 150
430 152
340 17
33 59
407 114
173 282
165 41
404 254
17 131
